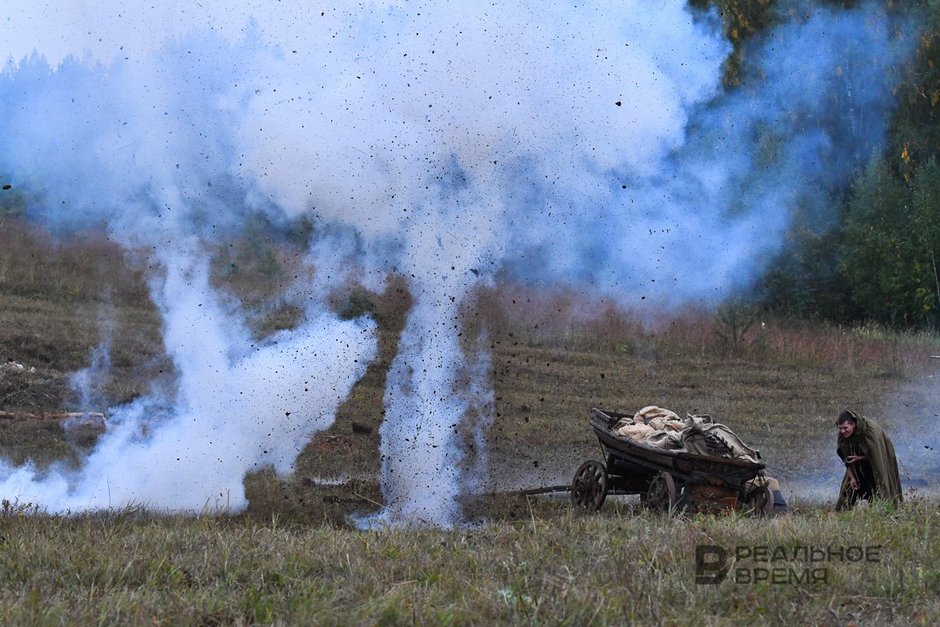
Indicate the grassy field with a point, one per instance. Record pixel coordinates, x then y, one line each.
554 567
295 556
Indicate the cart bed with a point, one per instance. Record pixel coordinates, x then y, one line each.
625 454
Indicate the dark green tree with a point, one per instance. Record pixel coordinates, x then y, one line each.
925 202
916 126
883 258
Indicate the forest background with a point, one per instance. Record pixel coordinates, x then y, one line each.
874 257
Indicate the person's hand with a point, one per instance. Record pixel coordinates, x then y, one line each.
851 459
853 483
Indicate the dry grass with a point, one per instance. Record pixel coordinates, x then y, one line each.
293 556
623 566
84 268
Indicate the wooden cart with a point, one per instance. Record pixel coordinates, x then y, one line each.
665 480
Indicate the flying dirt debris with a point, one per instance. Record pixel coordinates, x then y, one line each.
671 464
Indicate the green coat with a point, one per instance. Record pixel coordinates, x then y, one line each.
869 440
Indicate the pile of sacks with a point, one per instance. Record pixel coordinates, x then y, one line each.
662 428
653 426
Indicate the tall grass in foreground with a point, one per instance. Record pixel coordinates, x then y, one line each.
619 566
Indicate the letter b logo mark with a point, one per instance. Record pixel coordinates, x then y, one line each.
711 565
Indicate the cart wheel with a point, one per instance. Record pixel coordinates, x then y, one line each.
761 501
661 495
589 487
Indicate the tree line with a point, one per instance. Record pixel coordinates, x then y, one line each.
878 256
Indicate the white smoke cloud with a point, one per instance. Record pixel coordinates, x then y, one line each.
813 106
588 145
237 409
910 417
86 384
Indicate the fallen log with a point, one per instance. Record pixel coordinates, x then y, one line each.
9 415
546 490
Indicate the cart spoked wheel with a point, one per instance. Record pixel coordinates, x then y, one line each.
761 501
661 495
589 487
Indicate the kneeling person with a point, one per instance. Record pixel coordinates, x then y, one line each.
871 467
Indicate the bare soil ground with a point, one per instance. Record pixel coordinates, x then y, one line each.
780 388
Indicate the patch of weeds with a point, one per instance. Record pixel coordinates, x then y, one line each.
15 509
